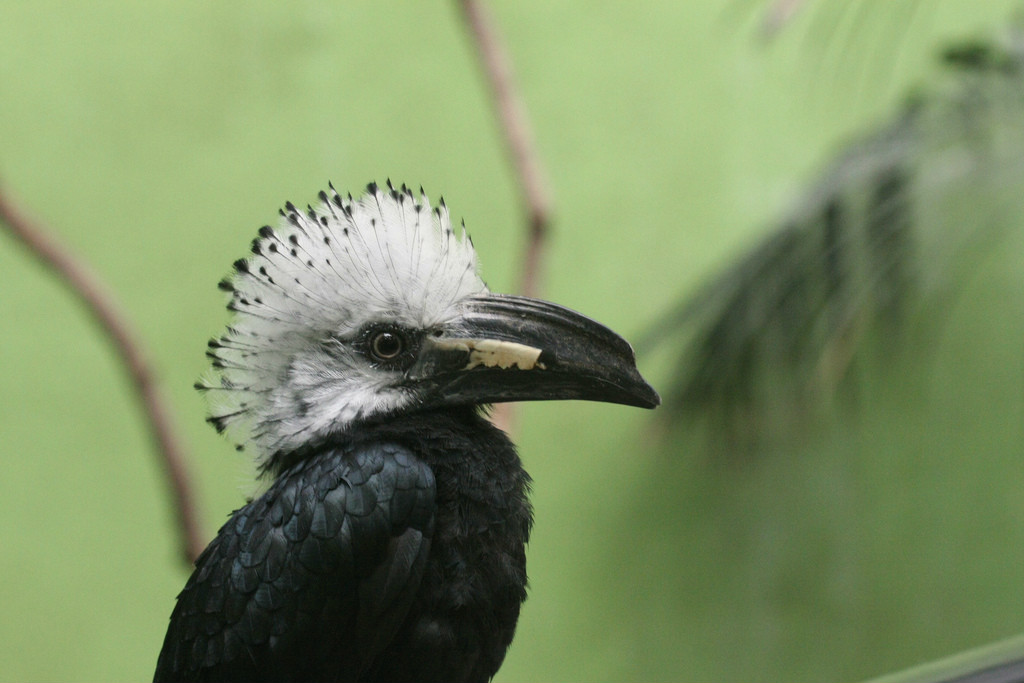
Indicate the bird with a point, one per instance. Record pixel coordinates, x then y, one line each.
389 544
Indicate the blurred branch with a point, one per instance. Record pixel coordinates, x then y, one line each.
778 14
522 152
107 313
518 139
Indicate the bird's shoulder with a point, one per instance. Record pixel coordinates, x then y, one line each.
335 548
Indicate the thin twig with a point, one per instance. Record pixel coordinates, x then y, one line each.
106 312
519 141
523 156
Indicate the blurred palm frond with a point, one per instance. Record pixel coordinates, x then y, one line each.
864 264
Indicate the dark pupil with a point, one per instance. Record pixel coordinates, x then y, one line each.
387 345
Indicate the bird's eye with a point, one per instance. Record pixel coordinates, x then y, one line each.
387 345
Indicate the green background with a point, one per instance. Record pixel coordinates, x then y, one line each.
156 137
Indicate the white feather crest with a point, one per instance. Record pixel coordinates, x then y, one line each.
276 382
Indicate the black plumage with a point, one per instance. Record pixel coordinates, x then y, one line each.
397 553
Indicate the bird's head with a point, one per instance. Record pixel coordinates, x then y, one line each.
359 309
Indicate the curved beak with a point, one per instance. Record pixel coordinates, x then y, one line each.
512 348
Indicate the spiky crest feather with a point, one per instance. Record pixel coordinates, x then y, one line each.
281 373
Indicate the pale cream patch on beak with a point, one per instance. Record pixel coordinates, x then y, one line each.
492 353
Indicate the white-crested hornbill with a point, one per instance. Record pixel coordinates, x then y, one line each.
390 543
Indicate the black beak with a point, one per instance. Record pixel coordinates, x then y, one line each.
511 348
